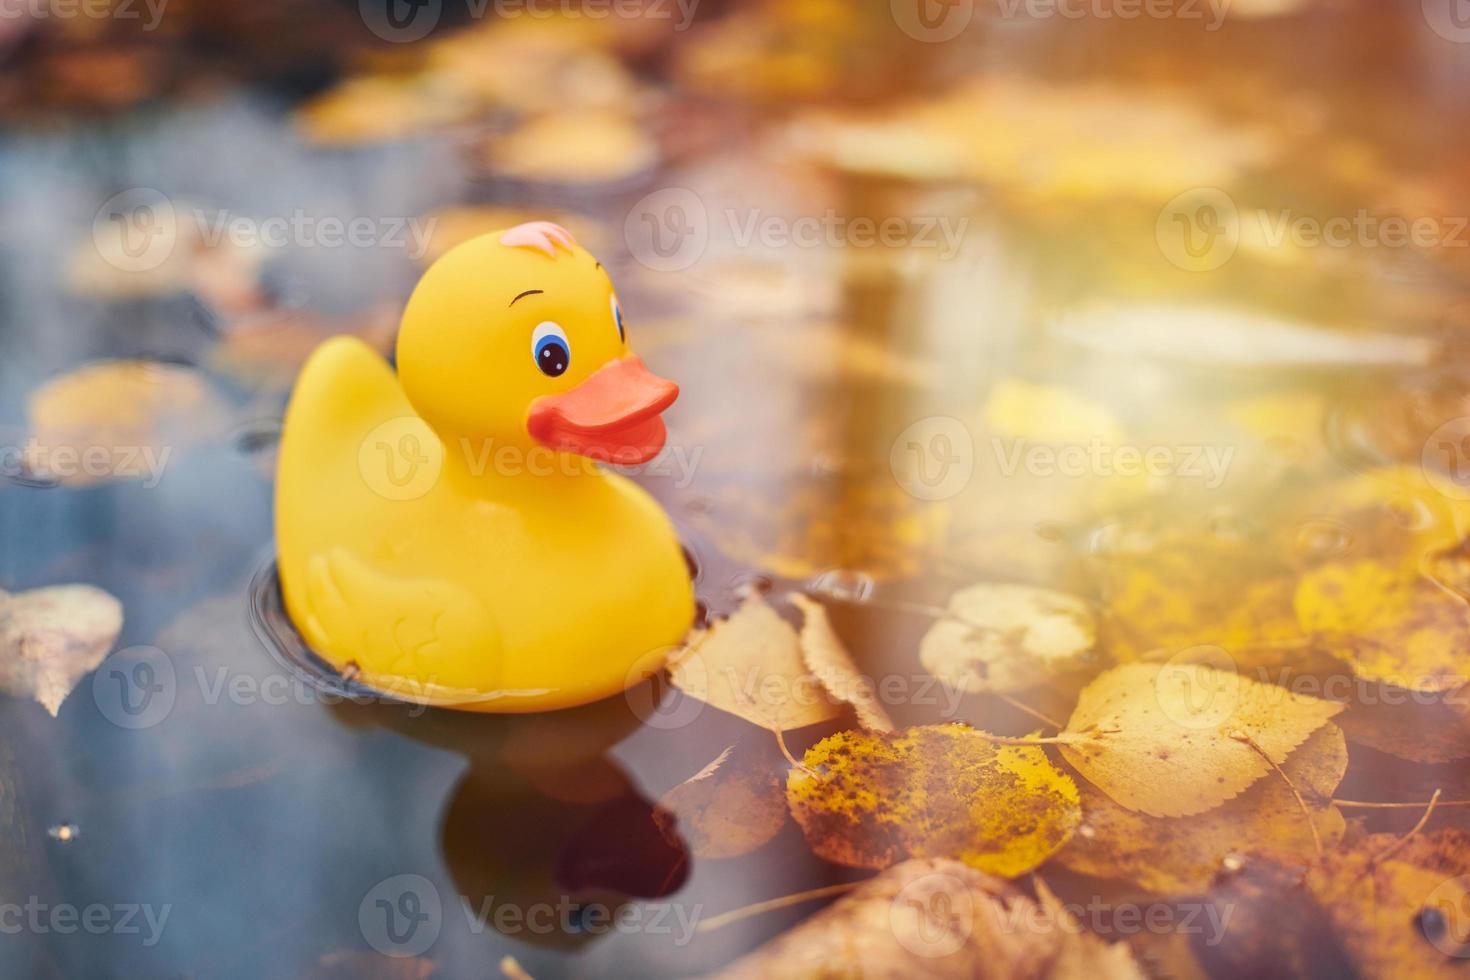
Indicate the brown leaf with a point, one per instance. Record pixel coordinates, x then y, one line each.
50 638
937 918
728 808
824 653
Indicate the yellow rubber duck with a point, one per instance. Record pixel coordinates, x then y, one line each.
447 534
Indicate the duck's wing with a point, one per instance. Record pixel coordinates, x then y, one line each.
340 474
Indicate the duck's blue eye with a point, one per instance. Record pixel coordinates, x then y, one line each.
618 319
551 349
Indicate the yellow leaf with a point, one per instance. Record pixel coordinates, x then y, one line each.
1388 623
833 666
50 638
119 419
728 808
869 800
1007 638
1402 917
1019 409
750 665
1183 855
1162 738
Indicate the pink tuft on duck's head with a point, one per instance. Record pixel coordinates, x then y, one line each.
543 236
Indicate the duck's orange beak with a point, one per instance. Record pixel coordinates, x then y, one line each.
613 416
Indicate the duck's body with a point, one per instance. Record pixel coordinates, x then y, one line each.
485 573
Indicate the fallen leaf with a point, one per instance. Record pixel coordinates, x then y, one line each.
1019 409
869 800
1183 855
573 146
118 420
750 665
1388 622
1415 725
941 919
1157 738
1006 638
52 637
453 226
825 655
352 965
725 810
1403 916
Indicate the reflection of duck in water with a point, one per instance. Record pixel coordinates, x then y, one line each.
543 818
444 530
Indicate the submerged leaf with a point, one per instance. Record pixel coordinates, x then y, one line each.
1168 740
750 665
728 808
1007 638
1388 623
50 638
833 666
868 800
941 919
1404 915
1182 855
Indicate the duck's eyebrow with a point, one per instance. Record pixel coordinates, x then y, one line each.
598 264
529 292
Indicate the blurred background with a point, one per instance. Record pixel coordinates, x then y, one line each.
936 278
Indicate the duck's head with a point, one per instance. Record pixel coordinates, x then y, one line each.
517 338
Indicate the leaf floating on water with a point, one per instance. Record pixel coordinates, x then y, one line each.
1007 638
1411 725
728 808
1388 623
1401 916
750 665
829 660
1182 855
1158 738
50 638
942 919
352 965
869 800
119 420
1222 336
1019 409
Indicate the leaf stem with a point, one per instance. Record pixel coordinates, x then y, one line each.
1241 736
771 904
1414 805
1393 849
1020 705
